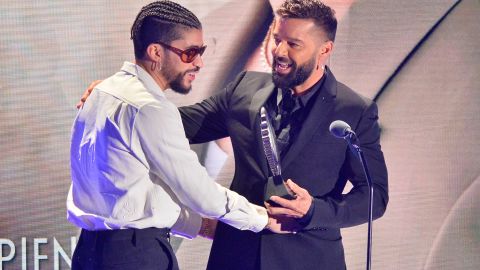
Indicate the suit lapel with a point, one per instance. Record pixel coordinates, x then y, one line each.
258 101
316 118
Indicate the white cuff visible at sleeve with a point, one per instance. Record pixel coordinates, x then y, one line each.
188 224
244 215
262 221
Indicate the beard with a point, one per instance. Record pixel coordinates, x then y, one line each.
177 85
176 78
296 76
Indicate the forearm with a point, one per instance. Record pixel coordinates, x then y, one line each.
203 122
348 210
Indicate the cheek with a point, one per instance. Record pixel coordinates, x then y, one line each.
303 58
297 59
273 48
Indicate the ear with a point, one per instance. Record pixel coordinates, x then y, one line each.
324 53
326 48
154 52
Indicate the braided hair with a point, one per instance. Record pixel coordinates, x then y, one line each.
321 14
160 21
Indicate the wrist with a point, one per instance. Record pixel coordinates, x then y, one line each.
205 228
268 226
307 217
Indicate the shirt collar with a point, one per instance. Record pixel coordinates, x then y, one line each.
307 95
302 100
142 75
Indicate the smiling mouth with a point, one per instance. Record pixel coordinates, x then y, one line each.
191 74
282 68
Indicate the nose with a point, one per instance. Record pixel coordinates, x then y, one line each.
198 62
280 49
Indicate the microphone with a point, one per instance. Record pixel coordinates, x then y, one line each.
341 129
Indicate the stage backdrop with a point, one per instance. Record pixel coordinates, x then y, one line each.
418 59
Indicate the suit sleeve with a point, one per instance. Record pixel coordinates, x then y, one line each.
206 121
337 210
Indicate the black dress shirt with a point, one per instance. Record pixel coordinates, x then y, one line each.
288 112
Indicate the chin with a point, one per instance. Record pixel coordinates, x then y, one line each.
186 88
181 89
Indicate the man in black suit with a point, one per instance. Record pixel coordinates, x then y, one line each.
303 99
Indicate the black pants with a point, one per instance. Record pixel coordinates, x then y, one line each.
135 249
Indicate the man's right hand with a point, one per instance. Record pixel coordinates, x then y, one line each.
283 225
87 93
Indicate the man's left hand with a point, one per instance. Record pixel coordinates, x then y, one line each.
296 208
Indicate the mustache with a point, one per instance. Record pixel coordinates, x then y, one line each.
193 70
283 59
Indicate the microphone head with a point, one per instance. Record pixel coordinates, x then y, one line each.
340 129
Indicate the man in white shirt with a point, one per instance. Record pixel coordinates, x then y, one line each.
134 176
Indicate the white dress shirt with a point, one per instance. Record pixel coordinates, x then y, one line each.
132 166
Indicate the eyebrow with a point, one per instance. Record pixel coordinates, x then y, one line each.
290 39
195 46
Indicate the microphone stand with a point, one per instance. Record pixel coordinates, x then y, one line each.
353 145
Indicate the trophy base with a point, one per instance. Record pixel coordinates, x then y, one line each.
276 187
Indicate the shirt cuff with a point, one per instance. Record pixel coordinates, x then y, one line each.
262 220
244 215
188 224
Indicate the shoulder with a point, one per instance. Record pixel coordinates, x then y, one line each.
158 109
130 90
247 83
350 96
348 99
250 78
255 77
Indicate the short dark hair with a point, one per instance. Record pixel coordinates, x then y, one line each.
321 14
160 21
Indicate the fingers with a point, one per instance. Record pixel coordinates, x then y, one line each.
285 209
296 189
297 207
81 102
280 211
283 202
282 226
87 93
84 97
92 85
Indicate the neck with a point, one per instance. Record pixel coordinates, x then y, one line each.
152 70
311 81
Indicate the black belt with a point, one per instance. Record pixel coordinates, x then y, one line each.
125 234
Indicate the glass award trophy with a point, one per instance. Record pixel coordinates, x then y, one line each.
275 184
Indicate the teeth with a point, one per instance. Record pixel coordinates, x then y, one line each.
283 66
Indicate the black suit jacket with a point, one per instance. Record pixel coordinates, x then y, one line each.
316 161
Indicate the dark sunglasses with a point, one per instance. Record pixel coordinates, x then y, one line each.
186 56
